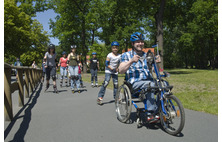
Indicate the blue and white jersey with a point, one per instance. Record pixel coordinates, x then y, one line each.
137 71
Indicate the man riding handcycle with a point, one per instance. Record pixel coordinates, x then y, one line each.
139 82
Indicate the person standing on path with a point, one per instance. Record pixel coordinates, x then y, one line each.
80 76
94 67
17 63
50 58
112 63
43 70
34 65
72 63
63 68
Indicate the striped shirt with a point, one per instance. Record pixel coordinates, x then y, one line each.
137 71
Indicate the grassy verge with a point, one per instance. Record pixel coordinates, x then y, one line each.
196 89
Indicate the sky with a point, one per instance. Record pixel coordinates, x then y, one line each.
43 18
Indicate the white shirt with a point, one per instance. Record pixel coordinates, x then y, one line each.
114 63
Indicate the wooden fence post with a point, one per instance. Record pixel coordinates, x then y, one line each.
7 95
20 87
34 80
31 80
27 83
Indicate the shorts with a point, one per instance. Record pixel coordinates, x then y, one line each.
50 71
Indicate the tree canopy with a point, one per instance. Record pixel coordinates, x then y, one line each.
186 31
23 36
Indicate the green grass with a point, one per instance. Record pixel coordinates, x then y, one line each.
196 89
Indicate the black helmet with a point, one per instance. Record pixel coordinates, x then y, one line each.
51 46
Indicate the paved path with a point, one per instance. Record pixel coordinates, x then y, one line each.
67 117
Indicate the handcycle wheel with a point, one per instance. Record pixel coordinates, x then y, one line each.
173 122
123 103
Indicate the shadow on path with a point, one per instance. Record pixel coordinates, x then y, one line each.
112 101
20 134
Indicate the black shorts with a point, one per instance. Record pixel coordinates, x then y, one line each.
43 74
50 71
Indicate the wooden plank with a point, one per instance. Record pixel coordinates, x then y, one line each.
20 87
26 83
14 87
7 95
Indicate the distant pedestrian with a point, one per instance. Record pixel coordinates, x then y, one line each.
94 67
80 75
34 65
63 68
43 70
17 63
50 58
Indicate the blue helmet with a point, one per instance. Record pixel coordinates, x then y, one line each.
94 53
137 36
114 43
64 52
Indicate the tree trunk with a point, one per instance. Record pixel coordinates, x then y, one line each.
84 44
159 26
93 36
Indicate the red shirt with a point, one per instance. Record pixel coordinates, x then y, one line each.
63 62
79 70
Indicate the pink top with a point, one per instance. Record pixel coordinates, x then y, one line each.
63 62
79 70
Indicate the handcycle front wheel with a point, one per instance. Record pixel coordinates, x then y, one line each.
123 103
173 121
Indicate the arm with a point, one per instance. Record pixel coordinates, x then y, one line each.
68 60
124 66
45 58
107 63
98 65
59 62
77 57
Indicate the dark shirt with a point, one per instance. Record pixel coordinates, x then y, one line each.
93 63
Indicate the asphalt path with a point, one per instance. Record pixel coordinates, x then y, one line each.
67 117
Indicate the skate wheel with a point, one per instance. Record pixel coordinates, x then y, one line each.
139 123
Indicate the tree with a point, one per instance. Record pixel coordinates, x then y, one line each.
23 36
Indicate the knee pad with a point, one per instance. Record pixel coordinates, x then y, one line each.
72 77
47 77
76 77
105 83
115 85
53 77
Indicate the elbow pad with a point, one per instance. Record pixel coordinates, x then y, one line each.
107 63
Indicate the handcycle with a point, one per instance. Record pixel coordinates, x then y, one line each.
170 109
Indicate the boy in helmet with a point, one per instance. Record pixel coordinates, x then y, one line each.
94 67
63 68
134 65
112 63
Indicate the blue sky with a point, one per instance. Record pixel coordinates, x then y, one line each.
43 18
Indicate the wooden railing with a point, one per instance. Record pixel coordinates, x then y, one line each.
31 81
